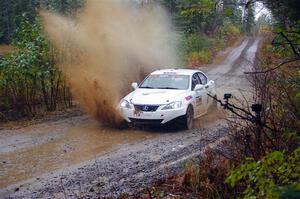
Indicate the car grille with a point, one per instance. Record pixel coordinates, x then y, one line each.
146 121
146 108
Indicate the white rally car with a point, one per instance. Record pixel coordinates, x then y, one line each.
169 95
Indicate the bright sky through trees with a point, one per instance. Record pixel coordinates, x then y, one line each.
260 9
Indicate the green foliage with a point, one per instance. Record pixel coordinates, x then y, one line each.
203 16
232 12
198 48
249 19
28 76
207 26
12 10
31 58
289 191
286 12
220 43
67 7
198 16
195 43
205 56
282 45
195 49
229 29
267 177
196 59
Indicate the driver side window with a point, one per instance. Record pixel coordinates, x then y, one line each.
195 81
203 78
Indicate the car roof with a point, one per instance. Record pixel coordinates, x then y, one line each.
175 71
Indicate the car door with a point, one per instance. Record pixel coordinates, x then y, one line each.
199 107
208 87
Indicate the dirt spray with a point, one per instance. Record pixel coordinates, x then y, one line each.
108 45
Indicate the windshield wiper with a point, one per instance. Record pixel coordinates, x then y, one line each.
146 87
167 88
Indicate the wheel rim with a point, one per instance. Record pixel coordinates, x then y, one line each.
189 118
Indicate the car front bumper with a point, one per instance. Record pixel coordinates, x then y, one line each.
155 117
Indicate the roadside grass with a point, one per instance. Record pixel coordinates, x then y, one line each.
201 178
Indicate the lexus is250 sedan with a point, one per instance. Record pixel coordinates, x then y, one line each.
166 95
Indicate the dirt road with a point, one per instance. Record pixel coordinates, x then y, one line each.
75 155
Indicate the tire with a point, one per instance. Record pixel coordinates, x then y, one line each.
188 118
124 125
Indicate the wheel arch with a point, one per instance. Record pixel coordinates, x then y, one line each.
192 106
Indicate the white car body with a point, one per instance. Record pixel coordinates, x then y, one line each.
148 105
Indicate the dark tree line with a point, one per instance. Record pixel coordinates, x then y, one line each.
190 15
12 11
206 16
285 12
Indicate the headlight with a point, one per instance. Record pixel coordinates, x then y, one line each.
173 105
125 104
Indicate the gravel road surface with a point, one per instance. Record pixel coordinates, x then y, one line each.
76 156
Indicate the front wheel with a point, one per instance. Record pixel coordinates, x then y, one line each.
188 118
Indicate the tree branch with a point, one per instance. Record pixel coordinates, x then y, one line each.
251 117
272 69
291 44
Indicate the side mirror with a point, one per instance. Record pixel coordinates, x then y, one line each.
199 87
134 85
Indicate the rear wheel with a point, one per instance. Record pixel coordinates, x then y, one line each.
188 119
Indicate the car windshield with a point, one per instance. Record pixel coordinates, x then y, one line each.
166 81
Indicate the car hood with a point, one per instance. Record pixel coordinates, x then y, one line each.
155 96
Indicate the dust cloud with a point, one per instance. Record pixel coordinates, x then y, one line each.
106 46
